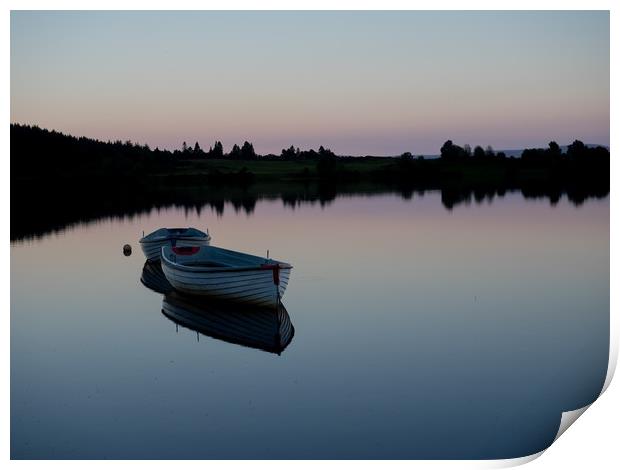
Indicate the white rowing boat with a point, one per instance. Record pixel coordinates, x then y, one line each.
152 243
225 274
266 328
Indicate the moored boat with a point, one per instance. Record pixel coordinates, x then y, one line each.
266 328
152 243
225 274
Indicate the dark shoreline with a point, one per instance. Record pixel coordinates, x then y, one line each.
59 180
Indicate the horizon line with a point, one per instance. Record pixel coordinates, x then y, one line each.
178 149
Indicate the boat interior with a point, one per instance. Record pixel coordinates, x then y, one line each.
214 257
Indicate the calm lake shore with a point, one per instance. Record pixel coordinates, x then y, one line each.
49 170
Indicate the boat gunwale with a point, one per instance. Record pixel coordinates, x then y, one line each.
164 239
268 264
170 235
218 269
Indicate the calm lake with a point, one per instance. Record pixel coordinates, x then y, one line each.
419 332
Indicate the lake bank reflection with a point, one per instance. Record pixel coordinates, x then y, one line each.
62 210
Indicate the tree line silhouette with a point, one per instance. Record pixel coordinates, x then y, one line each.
64 178
576 152
52 149
58 149
42 158
38 154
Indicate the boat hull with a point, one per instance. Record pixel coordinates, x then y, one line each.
255 286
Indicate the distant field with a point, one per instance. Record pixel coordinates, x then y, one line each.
264 169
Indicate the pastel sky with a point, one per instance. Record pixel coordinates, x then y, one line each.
360 83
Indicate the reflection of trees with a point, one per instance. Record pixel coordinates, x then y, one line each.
59 180
64 207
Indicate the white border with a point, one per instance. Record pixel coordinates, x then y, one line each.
590 443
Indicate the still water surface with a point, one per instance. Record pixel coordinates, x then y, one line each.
418 333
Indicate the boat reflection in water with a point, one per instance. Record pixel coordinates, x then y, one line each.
266 328
153 278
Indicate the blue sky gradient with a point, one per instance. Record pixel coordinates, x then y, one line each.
359 82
